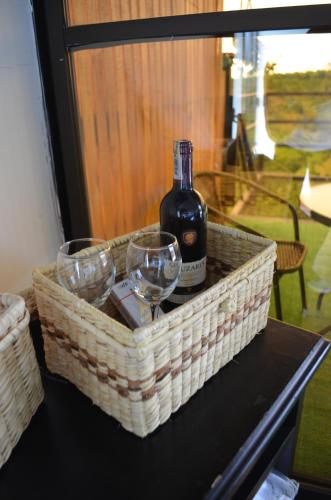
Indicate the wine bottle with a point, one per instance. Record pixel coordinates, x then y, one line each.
183 213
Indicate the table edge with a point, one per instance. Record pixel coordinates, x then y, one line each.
240 466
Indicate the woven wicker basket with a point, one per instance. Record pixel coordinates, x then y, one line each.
140 377
21 390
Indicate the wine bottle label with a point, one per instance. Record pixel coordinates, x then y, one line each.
192 273
171 270
175 298
178 171
189 237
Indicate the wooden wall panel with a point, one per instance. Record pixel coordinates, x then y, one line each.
133 101
100 11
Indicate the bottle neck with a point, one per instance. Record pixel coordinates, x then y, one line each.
183 165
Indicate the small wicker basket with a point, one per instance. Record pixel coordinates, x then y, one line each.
21 390
141 376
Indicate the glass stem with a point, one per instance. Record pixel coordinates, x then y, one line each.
155 311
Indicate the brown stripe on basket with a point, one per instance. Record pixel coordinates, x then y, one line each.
162 372
51 330
134 385
187 354
122 391
204 341
83 361
220 332
176 371
112 374
145 395
75 345
261 298
212 343
88 361
102 377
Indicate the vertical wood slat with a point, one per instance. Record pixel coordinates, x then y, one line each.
133 101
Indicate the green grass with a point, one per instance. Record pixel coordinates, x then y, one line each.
313 452
313 235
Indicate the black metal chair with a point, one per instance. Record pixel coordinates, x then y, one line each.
214 186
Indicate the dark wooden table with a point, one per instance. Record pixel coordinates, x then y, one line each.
221 444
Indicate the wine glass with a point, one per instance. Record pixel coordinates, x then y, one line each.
86 268
153 264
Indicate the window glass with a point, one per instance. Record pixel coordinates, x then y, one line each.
264 4
80 12
257 106
133 101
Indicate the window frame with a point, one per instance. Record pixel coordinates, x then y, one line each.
55 40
